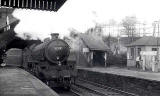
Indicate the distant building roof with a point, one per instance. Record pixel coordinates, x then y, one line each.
94 43
146 41
127 40
14 51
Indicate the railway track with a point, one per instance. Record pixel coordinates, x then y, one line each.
82 91
76 92
64 92
68 94
87 88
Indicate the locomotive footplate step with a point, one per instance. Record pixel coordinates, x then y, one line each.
17 82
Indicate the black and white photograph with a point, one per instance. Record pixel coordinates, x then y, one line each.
79 48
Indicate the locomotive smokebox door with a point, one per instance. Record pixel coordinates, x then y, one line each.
57 51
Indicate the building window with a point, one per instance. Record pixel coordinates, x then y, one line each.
132 53
139 50
154 49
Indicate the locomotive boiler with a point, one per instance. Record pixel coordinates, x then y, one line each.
49 62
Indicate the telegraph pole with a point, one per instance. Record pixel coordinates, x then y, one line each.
158 43
144 30
154 29
157 59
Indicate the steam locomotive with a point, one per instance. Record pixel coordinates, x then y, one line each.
52 61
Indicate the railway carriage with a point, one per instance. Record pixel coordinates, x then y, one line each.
13 57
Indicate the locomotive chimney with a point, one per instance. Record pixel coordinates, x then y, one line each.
54 36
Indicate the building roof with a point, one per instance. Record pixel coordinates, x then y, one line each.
3 19
146 41
127 40
14 51
7 36
93 42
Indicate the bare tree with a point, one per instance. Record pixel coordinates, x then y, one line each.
112 22
129 24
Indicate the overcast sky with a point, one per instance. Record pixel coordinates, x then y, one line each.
82 14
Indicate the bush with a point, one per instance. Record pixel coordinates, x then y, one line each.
119 60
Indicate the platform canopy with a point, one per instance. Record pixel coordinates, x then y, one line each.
48 5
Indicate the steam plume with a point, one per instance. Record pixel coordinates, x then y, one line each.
40 24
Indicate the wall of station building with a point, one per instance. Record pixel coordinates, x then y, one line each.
148 58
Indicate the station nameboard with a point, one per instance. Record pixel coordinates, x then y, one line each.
48 5
148 52
85 50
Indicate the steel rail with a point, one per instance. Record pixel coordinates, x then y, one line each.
107 87
89 90
77 93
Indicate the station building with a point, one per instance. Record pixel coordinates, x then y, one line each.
93 50
7 25
145 47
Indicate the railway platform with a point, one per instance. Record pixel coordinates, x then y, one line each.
17 82
133 81
126 72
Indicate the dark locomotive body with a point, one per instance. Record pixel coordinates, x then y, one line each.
52 62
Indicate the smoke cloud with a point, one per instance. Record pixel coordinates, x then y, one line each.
81 15
37 24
